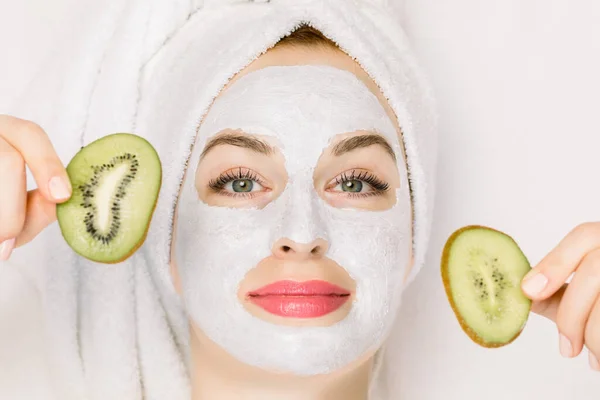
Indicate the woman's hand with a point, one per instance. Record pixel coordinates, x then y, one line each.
574 307
25 214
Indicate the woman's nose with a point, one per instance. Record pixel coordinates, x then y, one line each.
287 249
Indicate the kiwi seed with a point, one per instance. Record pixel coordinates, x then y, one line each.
482 270
116 180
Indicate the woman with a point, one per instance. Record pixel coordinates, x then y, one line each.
304 166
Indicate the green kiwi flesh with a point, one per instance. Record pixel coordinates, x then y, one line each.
116 180
482 270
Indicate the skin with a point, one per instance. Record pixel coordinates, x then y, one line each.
573 307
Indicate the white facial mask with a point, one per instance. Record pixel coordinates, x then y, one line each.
303 108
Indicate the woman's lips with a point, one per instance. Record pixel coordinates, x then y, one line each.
308 299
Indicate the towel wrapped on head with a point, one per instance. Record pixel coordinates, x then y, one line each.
153 67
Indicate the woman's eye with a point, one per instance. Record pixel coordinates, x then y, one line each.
243 186
238 182
358 183
353 186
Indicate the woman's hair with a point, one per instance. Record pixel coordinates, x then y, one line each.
307 36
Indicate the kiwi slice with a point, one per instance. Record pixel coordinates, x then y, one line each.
116 180
482 270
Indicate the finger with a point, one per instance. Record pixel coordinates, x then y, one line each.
548 308
577 304
35 147
39 214
554 269
12 195
592 336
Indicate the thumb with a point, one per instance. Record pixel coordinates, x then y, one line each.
39 214
549 307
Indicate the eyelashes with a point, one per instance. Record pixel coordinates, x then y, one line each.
223 181
231 175
377 185
240 183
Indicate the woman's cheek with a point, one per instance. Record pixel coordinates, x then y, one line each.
348 200
250 200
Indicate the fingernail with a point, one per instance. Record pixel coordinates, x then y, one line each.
566 349
58 188
535 284
6 248
594 362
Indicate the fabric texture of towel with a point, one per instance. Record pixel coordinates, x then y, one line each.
153 67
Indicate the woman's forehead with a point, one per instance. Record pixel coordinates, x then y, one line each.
292 100
321 56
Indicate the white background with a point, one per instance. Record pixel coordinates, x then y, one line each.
518 83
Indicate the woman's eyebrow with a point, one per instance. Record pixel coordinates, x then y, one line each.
239 140
362 141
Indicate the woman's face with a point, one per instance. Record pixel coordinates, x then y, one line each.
238 170
297 283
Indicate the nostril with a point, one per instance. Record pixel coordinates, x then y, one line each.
289 249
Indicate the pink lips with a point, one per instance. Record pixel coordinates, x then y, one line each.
308 299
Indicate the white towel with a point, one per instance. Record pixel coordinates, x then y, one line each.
153 67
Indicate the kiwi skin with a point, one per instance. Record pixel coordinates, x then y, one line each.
142 237
445 279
